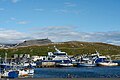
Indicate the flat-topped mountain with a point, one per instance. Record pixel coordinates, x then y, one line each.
35 42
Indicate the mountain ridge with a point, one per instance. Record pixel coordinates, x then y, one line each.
71 47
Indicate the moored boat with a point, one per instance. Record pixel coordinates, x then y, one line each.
25 64
64 64
85 65
107 64
58 58
10 73
26 71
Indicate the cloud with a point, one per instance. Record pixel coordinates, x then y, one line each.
68 4
22 22
12 36
15 21
70 11
61 11
39 9
15 1
59 34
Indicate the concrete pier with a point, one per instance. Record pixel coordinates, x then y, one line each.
47 64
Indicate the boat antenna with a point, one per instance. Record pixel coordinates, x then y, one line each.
5 57
97 52
57 49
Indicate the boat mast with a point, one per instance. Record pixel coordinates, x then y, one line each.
5 57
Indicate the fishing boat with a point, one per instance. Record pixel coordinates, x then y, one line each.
5 64
64 64
108 63
25 64
86 64
26 71
10 73
91 60
22 73
60 58
86 61
8 70
30 70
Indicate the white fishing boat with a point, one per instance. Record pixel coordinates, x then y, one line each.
30 72
86 61
25 64
26 71
108 63
86 64
59 57
22 73
63 64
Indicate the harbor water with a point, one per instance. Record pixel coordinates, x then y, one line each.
78 72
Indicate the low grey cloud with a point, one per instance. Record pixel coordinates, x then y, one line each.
22 22
12 36
60 34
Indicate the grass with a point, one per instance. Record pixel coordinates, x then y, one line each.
72 48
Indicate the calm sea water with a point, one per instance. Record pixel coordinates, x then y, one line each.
80 72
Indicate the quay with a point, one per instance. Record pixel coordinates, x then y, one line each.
46 64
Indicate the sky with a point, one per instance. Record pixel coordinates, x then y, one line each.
60 20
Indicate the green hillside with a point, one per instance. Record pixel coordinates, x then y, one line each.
72 48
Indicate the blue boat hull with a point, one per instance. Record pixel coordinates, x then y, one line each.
13 74
5 66
85 65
